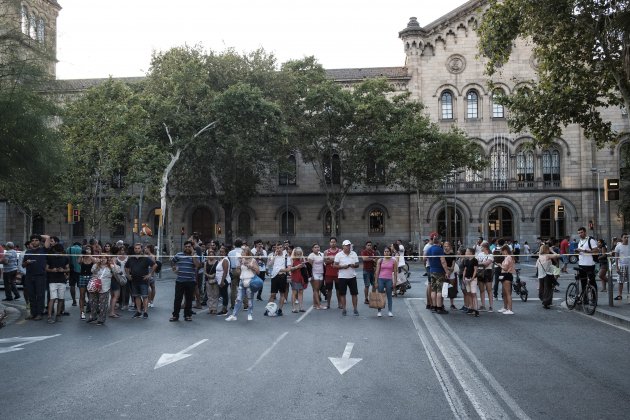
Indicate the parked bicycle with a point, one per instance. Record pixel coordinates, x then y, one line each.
520 286
576 295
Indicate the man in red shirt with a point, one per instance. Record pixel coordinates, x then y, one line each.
330 272
369 259
564 249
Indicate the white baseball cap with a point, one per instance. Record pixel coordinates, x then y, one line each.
346 242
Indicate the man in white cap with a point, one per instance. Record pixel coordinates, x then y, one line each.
346 261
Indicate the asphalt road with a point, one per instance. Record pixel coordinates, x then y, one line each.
536 364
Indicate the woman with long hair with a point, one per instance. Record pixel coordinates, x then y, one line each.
508 270
297 279
103 269
249 269
545 275
386 275
86 261
603 263
316 258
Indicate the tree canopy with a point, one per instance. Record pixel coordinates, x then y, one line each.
582 50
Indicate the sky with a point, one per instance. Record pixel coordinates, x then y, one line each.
117 37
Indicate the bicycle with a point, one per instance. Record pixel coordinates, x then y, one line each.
520 287
575 295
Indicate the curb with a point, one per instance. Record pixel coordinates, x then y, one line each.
612 317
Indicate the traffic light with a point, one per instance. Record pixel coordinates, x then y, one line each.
69 217
76 216
611 189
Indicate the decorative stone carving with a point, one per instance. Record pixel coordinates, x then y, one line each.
456 63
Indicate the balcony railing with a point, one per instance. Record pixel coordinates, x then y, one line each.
499 185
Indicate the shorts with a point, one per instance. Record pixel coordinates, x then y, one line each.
623 274
74 279
83 281
318 277
57 290
486 277
506 277
115 285
139 289
344 284
368 278
329 281
297 285
471 285
279 284
437 279
152 280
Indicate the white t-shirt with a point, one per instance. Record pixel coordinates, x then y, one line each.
401 255
424 252
317 260
583 245
623 252
279 262
342 259
262 262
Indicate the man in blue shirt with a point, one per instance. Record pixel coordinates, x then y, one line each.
75 269
35 283
437 272
185 264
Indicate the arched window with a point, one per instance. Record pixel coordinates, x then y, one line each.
32 26
287 224
39 225
376 221
25 22
472 177
549 228
499 165
450 227
497 109
244 224
289 176
332 169
328 223
500 223
40 30
525 168
472 104
551 167
446 105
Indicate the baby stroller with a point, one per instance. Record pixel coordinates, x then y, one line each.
401 288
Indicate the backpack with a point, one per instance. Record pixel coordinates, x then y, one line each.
159 267
595 257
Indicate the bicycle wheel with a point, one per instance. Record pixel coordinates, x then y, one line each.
524 293
589 303
571 296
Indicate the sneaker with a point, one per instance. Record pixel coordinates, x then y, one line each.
464 309
476 314
230 318
502 310
131 309
343 312
442 311
356 313
279 312
482 308
250 317
224 312
145 315
150 304
490 309
83 316
50 320
453 308
390 314
137 315
470 311
508 312
266 313
74 304
379 314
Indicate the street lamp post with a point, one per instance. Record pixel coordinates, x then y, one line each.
599 198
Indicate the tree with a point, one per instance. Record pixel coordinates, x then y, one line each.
582 48
106 140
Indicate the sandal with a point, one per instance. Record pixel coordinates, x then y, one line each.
187 318
114 316
294 311
302 310
618 298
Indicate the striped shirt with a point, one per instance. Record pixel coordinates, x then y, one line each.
185 267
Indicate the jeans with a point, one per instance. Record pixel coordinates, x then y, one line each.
368 278
183 289
243 293
9 284
36 289
385 285
262 277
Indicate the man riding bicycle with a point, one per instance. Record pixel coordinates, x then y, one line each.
587 247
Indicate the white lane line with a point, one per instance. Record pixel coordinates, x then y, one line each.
112 344
481 398
308 311
266 352
502 393
450 392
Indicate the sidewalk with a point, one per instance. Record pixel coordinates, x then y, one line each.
618 314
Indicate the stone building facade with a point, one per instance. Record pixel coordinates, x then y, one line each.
513 198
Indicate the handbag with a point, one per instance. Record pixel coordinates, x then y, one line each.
94 285
376 299
120 278
256 284
555 270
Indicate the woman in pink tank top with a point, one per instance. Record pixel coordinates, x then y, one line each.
386 272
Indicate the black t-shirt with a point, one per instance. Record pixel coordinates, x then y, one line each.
54 261
139 267
86 269
498 256
450 260
469 267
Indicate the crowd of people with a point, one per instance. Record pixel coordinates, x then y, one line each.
112 278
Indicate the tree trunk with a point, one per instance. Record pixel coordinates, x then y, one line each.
227 209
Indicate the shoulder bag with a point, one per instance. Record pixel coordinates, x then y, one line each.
376 299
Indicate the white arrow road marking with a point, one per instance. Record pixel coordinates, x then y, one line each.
21 341
168 358
345 362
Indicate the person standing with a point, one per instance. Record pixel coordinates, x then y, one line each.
86 260
57 267
185 264
564 250
469 269
331 272
545 275
249 269
508 269
235 272
346 262
622 254
261 257
35 282
223 279
210 275
316 258
387 273
486 261
75 269
10 272
140 269
587 247
99 300
527 251
368 258
279 263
